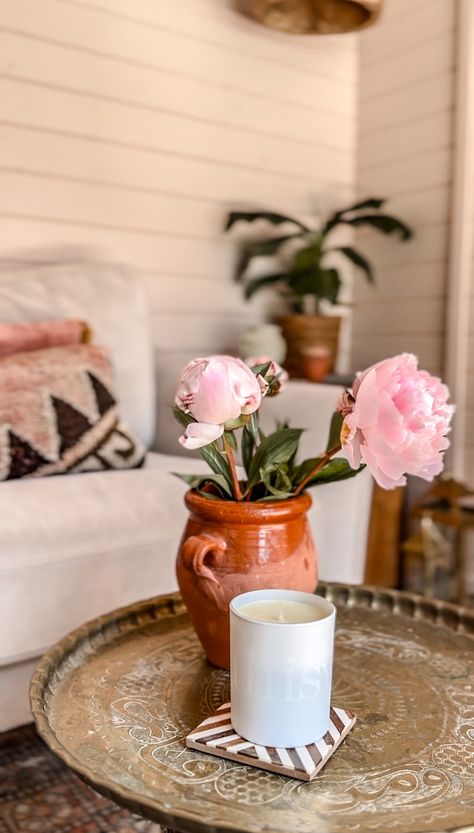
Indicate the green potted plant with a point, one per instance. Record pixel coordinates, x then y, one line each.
309 277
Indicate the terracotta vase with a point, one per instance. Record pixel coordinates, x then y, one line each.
303 331
229 548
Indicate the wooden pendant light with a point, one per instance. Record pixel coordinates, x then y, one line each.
323 17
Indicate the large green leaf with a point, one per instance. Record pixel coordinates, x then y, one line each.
382 222
217 462
270 216
247 446
370 202
307 258
277 448
334 438
357 259
329 284
305 283
279 496
322 283
252 286
260 248
198 481
338 469
304 469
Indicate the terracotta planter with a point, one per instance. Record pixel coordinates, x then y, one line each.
228 548
302 331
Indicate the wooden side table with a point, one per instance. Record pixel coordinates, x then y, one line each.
116 698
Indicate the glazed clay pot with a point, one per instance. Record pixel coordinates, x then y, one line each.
230 547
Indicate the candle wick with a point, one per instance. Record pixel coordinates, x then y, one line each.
281 618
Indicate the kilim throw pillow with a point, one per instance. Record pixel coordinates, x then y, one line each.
58 414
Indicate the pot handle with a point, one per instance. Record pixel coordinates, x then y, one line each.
196 548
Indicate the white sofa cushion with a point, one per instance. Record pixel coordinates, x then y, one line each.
74 547
113 303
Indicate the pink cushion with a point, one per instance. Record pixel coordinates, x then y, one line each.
16 338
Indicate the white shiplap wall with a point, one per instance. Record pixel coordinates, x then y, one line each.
405 153
132 126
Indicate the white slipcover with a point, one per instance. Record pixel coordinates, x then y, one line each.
75 546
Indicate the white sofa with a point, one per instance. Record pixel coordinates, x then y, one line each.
74 546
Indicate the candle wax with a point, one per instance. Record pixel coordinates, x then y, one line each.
283 611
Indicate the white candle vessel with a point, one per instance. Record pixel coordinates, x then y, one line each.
281 653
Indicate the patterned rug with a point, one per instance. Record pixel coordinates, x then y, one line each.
39 794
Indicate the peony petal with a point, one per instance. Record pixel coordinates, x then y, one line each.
198 434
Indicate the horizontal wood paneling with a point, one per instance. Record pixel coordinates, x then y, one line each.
417 280
147 92
415 24
418 65
407 316
405 153
410 103
225 28
176 136
374 348
409 175
129 130
113 163
401 140
276 69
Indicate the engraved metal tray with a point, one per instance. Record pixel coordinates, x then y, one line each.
116 698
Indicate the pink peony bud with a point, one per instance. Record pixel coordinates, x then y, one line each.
216 390
345 403
398 423
275 378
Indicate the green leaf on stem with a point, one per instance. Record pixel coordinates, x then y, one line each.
334 438
261 369
184 419
279 496
252 286
248 446
277 448
272 217
254 429
383 222
304 469
229 437
199 481
217 462
371 202
357 259
338 469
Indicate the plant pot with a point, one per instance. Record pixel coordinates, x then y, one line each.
229 548
301 331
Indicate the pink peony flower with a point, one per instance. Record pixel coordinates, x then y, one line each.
215 390
398 422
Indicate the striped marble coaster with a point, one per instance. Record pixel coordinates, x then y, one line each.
216 736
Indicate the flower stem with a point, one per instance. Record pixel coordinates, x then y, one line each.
322 462
233 469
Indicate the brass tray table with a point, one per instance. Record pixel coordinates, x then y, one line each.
116 697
